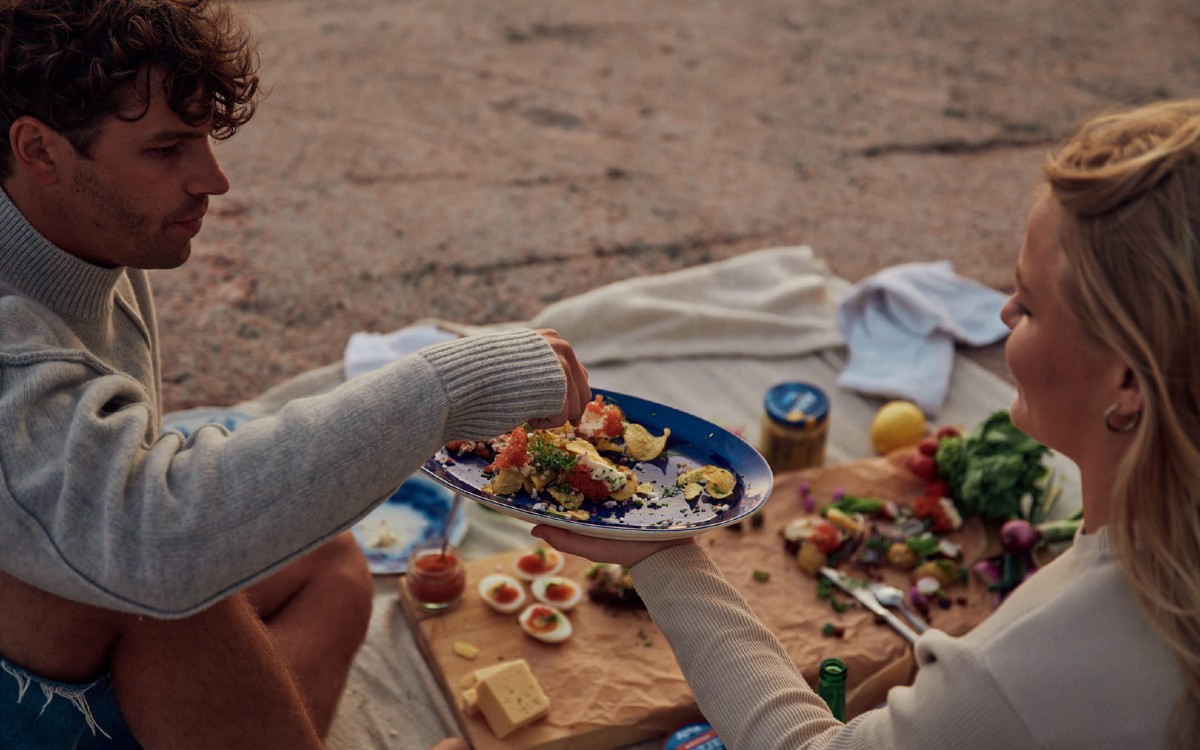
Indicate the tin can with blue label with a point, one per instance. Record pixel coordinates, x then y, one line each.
697 736
795 427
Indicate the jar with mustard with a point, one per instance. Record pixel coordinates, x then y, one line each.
795 426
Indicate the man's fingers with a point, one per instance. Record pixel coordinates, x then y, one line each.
578 392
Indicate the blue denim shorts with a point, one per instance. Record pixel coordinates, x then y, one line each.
41 714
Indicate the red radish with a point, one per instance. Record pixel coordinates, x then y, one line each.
1019 537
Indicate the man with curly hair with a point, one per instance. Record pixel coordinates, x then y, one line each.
198 592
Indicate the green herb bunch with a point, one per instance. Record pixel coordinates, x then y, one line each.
996 471
549 458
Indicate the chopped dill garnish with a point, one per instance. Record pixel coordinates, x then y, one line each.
670 490
549 458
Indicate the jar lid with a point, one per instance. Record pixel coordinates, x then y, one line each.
798 404
697 736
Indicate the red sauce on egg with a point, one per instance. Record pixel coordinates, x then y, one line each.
559 592
534 563
542 619
504 594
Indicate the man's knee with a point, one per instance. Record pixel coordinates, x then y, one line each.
344 567
339 571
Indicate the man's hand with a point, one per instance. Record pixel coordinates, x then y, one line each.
621 552
578 392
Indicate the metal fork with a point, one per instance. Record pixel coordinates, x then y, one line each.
859 591
890 596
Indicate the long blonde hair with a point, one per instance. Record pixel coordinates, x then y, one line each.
1131 181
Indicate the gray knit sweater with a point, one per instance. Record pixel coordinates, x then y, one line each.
97 506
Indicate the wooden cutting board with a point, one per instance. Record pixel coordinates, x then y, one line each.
615 682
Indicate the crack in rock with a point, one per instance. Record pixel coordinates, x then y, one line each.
953 146
669 250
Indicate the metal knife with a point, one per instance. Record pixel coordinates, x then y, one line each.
859 591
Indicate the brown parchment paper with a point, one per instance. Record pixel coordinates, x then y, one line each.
615 681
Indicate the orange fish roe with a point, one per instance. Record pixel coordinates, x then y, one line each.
581 479
515 453
611 415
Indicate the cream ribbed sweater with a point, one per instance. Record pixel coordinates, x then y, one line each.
96 506
1068 661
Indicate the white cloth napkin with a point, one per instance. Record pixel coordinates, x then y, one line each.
901 326
767 303
366 351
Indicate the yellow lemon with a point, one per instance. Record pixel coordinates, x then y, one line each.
897 424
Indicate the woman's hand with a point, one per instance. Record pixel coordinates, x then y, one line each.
578 392
618 551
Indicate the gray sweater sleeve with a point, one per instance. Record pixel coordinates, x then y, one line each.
104 511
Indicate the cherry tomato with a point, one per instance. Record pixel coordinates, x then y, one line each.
928 445
931 508
922 465
938 488
825 536
946 431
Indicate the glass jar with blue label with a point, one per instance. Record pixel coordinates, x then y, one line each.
795 426
697 736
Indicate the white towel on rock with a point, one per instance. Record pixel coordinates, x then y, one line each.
768 303
901 326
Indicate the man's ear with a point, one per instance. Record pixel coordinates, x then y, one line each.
37 148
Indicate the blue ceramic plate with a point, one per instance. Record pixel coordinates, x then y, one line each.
187 421
416 512
693 442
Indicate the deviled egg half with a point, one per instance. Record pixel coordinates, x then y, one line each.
557 591
545 623
502 592
539 561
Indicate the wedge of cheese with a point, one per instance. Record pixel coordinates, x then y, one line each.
509 697
470 702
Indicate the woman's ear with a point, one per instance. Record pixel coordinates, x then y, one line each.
1130 398
36 149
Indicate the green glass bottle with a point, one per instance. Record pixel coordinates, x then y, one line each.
831 686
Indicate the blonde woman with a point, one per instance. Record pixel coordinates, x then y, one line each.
1101 649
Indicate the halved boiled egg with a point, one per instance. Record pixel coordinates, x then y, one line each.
545 623
556 591
539 561
502 592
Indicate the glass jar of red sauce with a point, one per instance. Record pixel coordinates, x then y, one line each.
435 576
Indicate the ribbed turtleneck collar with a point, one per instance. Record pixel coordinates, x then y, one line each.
39 269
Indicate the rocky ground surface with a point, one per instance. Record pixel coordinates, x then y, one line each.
476 160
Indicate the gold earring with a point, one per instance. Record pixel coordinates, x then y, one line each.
1137 418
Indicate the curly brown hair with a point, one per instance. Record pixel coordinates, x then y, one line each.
71 63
